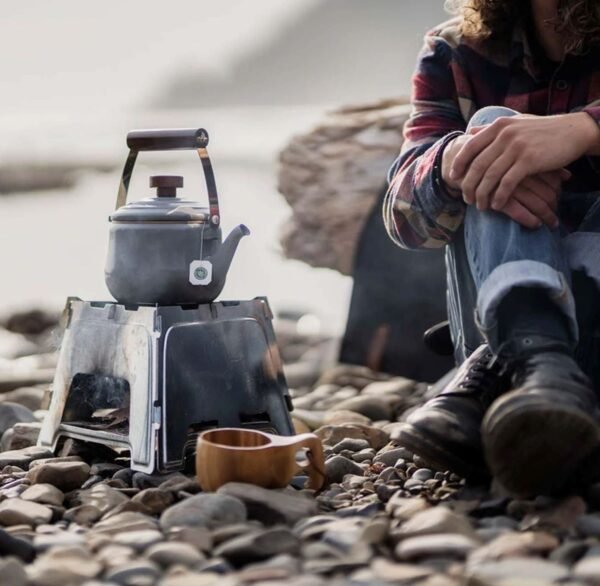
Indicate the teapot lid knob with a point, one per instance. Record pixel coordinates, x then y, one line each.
166 184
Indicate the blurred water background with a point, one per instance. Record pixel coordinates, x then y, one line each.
76 76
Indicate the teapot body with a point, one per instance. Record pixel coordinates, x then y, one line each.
149 263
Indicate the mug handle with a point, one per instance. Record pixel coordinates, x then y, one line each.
314 465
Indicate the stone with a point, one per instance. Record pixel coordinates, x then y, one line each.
138 540
389 457
198 537
13 546
156 500
113 556
523 567
403 508
204 510
343 416
374 407
62 539
588 525
279 567
100 496
21 435
134 573
569 552
83 515
64 475
16 511
333 434
62 566
271 506
453 545
514 545
354 445
12 572
337 467
438 519
198 579
11 413
141 480
588 569
23 457
171 553
561 516
259 546
127 521
395 386
45 494
399 573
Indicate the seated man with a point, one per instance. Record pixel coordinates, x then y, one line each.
500 166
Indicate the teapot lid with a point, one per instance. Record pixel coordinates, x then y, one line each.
165 207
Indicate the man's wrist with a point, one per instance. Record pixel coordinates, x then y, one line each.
589 130
447 158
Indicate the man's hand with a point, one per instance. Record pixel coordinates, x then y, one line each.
499 157
532 203
535 200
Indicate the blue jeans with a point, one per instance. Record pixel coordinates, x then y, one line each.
492 255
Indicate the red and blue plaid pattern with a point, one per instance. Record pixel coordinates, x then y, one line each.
454 78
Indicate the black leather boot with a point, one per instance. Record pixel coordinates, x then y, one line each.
539 437
445 431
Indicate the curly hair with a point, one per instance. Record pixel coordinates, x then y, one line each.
577 20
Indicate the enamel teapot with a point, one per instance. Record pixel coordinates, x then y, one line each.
167 250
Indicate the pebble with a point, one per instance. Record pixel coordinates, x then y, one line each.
522 567
13 546
62 566
337 467
390 457
372 406
258 546
435 520
155 500
204 510
135 573
333 434
138 540
516 544
442 544
23 457
588 569
272 506
63 475
15 511
588 525
354 445
101 496
171 553
46 494
12 572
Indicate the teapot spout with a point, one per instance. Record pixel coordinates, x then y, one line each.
222 259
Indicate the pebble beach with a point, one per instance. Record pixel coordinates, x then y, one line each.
83 517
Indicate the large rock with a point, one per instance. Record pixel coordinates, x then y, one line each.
102 497
331 177
204 510
271 506
11 413
22 458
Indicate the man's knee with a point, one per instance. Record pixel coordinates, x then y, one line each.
487 115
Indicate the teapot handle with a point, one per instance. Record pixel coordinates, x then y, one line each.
169 140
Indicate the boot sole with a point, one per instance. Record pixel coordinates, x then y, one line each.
535 447
436 456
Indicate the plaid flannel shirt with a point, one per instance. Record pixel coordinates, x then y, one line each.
454 78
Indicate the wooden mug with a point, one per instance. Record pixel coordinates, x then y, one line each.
255 457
